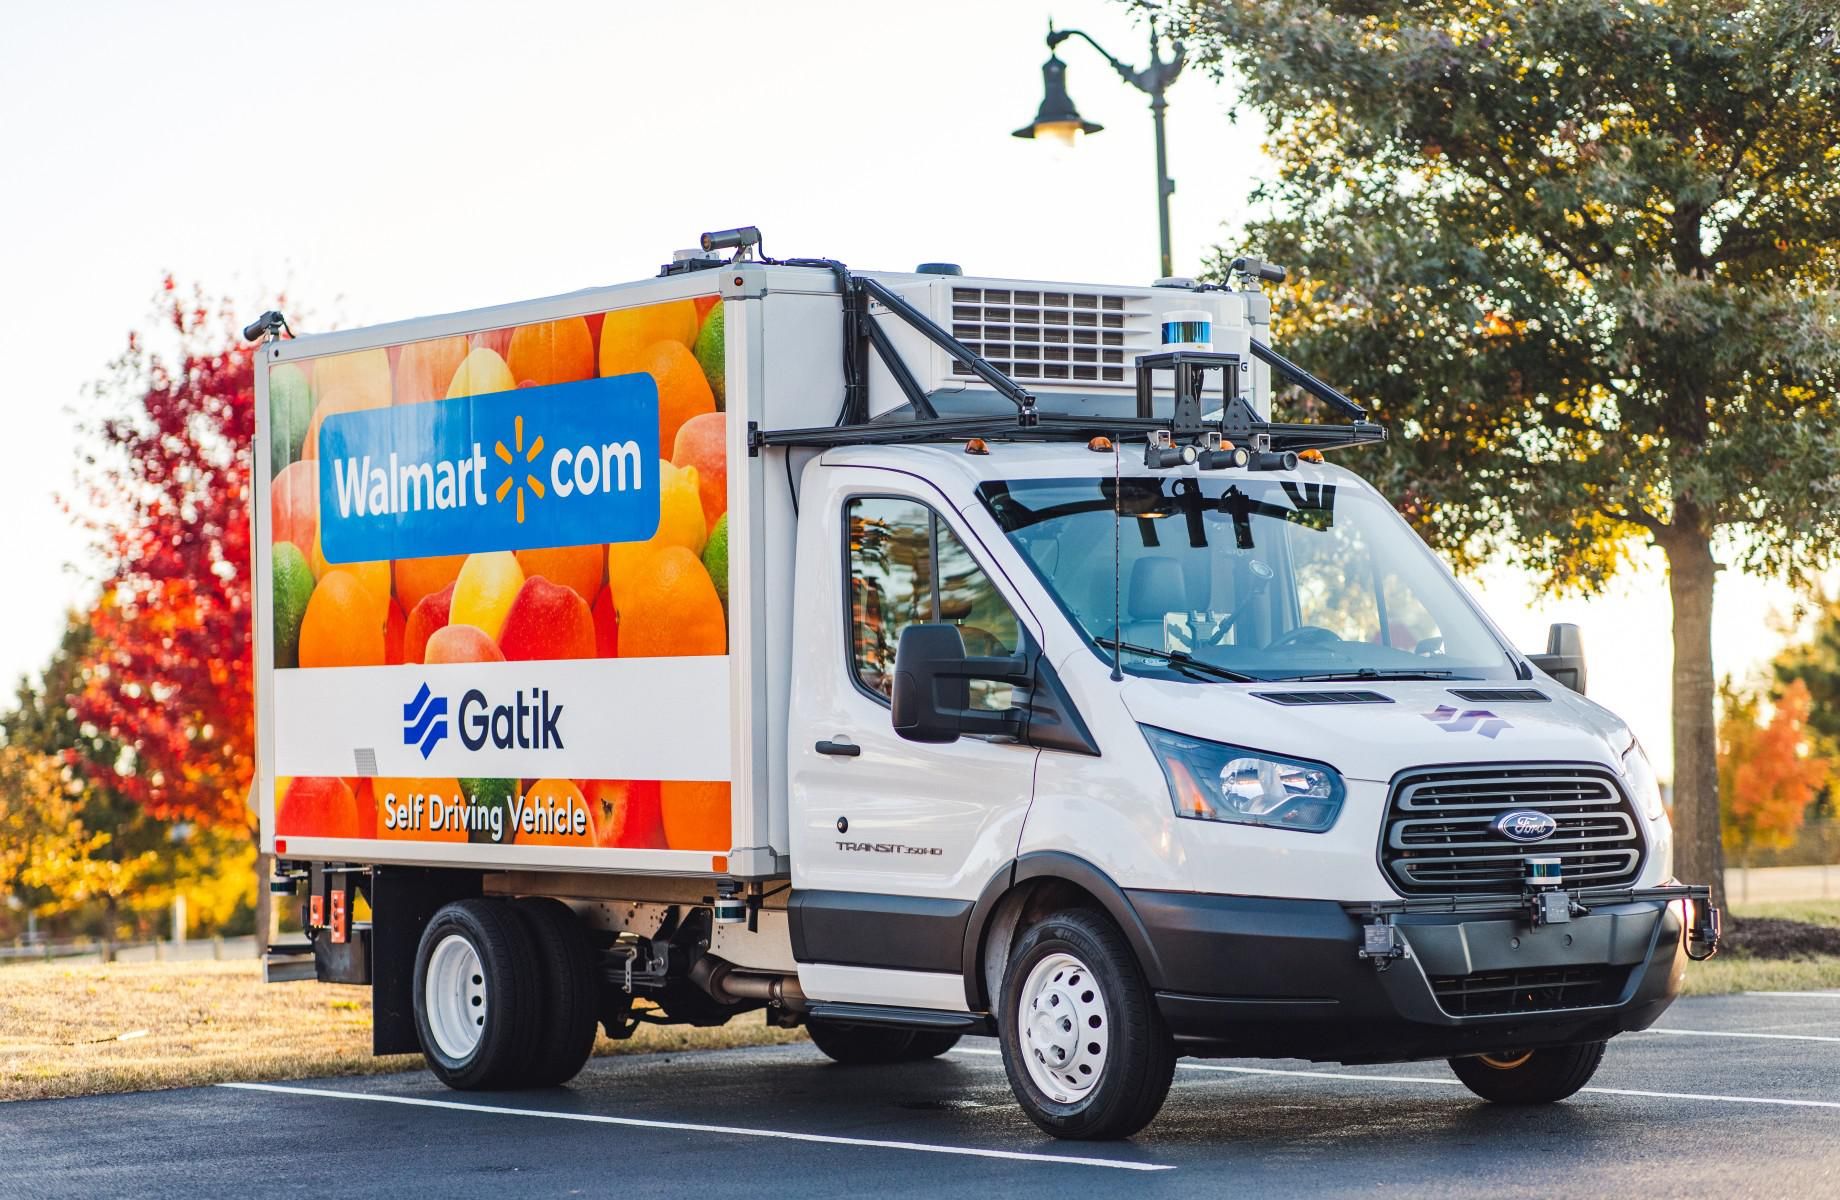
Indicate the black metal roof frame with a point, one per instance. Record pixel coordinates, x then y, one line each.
1239 422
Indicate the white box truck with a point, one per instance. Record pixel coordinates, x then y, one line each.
915 655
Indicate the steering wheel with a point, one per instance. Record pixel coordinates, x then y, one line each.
1303 635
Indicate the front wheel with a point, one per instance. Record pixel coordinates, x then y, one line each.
1530 1076
1084 1046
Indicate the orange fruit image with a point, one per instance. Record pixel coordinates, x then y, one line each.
704 304
398 798
344 625
393 628
566 798
702 442
419 577
484 590
606 626
626 333
680 523
349 382
461 644
481 373
293 507
426 368
547 620
578 567
696 815
314 806
551 352
424 619
669 607
683 390
626 812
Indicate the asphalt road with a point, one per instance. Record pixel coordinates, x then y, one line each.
1741 1098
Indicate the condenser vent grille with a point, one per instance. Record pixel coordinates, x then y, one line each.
1077 337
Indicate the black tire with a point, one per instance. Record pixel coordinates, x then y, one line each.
510 998
1140 1056
569 988
1530 1076
860 1045
929 1043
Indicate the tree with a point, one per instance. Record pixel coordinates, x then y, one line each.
50 861
1583 257
1768 775
1815 663
170 676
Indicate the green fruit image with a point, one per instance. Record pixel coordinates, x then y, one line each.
711 355
290 405
293 588
715 558
488 794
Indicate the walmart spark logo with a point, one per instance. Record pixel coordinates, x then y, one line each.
415 480
425 721
530 456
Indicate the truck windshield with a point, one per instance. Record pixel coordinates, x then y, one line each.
1266 579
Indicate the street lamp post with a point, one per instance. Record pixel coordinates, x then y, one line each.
1059 121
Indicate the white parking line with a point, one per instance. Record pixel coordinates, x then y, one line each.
1602 1091
1775 1037
692 1127
1797 995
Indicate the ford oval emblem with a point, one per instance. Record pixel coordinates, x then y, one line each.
1525 825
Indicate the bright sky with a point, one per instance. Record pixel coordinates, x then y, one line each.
381 162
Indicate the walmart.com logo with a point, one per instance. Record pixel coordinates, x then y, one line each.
414 480
425 721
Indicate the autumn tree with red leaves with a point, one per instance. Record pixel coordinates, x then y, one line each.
170 678
1767 773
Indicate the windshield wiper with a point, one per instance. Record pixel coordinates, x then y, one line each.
1373 673
1179 659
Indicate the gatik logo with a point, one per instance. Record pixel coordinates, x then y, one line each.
425 721
514 726
1469 720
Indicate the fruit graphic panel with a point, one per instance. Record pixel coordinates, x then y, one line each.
463 504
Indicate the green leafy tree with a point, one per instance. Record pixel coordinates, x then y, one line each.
1583 256
1816 663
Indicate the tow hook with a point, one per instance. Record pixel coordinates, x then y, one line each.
1704 925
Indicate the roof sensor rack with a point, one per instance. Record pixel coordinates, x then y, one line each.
1238 438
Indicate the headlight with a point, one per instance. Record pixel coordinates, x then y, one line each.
1643 786
1212 782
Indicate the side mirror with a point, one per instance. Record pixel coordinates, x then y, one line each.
932 687
1564 657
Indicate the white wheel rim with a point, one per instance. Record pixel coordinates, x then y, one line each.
1063 1028
454 996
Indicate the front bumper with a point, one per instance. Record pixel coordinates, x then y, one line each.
1255 977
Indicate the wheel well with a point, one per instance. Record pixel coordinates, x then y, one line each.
1022 903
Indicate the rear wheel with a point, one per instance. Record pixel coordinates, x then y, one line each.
1530 1076
1084 1046
570 991
856 1045
477 999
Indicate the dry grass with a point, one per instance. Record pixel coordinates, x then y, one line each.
83 1030
1728 973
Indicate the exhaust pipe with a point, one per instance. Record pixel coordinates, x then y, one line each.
729 984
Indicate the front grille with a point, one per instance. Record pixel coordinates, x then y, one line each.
1037 333
1487 993
1440 837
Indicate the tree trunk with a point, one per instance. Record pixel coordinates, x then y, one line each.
1698 854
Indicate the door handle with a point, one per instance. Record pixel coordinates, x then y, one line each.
839 747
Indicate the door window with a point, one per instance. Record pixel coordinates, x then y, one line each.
907 567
